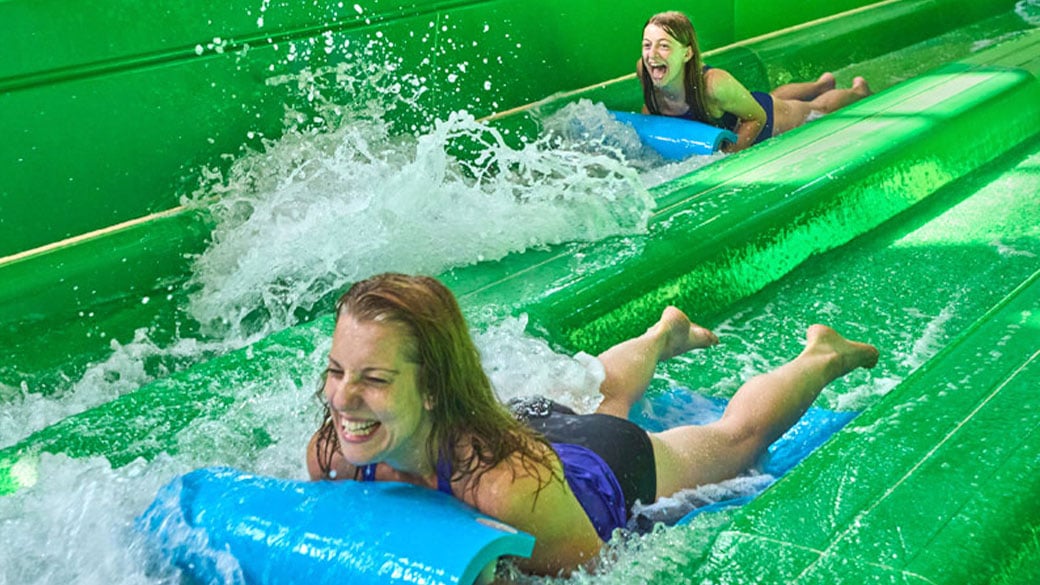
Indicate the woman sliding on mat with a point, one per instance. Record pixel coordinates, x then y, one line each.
676 83
407 400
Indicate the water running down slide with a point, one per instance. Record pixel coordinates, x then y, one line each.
907 152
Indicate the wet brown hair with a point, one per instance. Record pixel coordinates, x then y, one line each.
464 408
679 27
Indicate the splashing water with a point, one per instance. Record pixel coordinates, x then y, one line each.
589 127
1029 10
519 365
73 527
342 195
318 210
127 368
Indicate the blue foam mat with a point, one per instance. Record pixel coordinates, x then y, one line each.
675 138
220 525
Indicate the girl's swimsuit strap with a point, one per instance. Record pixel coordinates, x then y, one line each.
368 473
444 475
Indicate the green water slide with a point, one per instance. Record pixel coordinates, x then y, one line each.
919 200
92 227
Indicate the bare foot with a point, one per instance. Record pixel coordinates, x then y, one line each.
826 82
850 354
859 85
680 335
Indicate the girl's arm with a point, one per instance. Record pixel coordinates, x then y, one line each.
729 95
564 536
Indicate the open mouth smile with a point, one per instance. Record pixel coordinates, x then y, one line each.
355 431
657 72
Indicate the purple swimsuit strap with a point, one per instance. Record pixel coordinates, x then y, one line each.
368 473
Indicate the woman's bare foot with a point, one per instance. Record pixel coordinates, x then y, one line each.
679 334
822 340
826 82
805 91
859 85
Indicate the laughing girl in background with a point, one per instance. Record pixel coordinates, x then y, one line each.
676 83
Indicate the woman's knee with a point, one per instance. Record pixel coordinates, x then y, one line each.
745 440
688 457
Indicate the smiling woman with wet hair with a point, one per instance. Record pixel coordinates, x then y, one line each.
406 400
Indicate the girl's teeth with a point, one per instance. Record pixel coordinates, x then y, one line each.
359 427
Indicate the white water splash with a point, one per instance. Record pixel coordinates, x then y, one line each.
520 365
1029 10
128 367
342 195
319 209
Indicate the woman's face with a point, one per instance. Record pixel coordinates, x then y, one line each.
664 57
373 394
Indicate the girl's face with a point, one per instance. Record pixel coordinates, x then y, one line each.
664 57
372 389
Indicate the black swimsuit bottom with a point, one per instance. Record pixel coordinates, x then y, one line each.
622 444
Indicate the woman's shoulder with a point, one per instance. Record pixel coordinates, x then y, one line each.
714 75
722 87
514 473
537 499
508 490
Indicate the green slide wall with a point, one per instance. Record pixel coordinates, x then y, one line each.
109 110
83 155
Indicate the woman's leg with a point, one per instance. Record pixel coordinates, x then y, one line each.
839 98
805 91
630 365
790 114
758 414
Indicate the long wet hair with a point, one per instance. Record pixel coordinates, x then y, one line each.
679 27
463 406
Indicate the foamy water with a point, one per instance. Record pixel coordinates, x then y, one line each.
1029 11
332 202
318 210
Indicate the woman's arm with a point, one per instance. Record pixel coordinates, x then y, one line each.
564 536
726 94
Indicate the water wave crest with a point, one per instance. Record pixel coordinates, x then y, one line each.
320 208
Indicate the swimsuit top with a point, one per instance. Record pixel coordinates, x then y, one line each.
368 473
729 120
590 479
